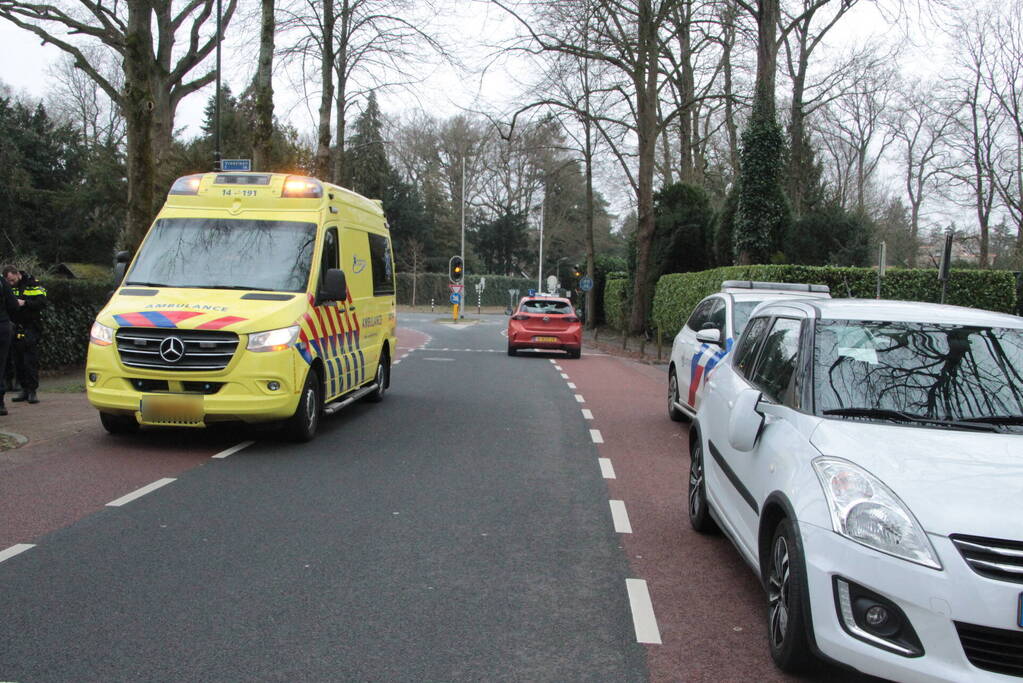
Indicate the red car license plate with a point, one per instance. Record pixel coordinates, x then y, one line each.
545 339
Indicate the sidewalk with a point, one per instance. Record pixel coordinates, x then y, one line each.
609 341
62 412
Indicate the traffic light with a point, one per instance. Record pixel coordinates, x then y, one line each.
455 270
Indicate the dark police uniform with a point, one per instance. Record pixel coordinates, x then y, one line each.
27 331
8 307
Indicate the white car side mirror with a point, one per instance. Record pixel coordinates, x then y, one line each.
744 423
709 335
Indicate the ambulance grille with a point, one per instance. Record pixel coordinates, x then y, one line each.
195 350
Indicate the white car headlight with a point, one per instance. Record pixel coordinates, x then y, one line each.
273 340
864 510
101 335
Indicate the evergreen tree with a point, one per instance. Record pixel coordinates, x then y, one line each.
763 215
371 172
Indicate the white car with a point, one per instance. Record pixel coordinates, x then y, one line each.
708 334
866 459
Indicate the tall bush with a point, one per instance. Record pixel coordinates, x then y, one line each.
71 307
993 290
616 300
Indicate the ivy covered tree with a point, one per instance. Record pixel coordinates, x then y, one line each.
763 214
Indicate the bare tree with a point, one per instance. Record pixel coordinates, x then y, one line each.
920 129
157 76
80 100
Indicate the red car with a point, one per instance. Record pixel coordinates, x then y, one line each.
545 322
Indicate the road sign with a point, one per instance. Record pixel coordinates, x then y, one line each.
483 283
586 283
552 283
455 288
456 298
236 164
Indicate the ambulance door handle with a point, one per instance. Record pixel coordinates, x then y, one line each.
351 308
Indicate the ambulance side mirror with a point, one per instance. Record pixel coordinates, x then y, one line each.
335 286
120 266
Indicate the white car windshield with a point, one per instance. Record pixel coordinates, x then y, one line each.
919 370
213 253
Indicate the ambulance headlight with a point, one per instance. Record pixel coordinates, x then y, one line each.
101 335
273 340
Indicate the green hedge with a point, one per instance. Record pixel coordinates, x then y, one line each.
435 286
994 290
71 307
617 291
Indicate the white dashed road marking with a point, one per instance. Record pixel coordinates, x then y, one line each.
234 449
564 376
557 367
579 398
587 414
596 436
606 468
643 618
620 517
571 386
139 493
15 550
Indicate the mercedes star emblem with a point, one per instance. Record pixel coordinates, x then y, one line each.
172 349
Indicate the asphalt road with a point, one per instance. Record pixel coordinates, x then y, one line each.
457 531
494 518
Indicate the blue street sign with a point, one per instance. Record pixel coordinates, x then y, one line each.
586 283
456 298
532 292
236 164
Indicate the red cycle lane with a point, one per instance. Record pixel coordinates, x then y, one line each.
71 467
709 605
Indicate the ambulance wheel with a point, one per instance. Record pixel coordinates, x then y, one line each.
302 425
382 379
119 424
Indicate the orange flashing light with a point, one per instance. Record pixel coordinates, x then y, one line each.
298 187
188 184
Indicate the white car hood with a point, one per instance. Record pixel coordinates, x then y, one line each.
955 482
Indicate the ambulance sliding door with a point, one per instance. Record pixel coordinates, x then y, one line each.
355 261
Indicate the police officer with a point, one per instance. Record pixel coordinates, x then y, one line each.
8 308
31 298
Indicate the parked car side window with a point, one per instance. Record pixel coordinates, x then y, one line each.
778 358
745 352
700 315
716 317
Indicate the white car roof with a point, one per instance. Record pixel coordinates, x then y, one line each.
765 294
902 311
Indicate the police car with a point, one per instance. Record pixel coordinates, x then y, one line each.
709 333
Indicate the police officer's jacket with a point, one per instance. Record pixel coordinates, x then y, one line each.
34 295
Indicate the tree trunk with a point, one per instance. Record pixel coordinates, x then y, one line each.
645 81
321 163
797 132
138 105
262 138
769 11
728 42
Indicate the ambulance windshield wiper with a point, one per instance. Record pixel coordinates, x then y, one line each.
245 287
148 284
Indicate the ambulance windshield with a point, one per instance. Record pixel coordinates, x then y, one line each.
213 253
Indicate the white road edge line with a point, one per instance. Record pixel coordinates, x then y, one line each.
553 362
606 468
564 376
15 550
587 414
579 398
234 449
571 386
596 436
620 517
139 493
557 367
643 618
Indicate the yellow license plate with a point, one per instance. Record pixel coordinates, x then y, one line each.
172 409
545 339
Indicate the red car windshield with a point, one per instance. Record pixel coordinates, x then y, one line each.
546 306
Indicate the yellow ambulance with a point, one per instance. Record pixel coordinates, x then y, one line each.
254 297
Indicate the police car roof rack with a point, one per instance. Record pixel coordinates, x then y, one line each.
777 286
